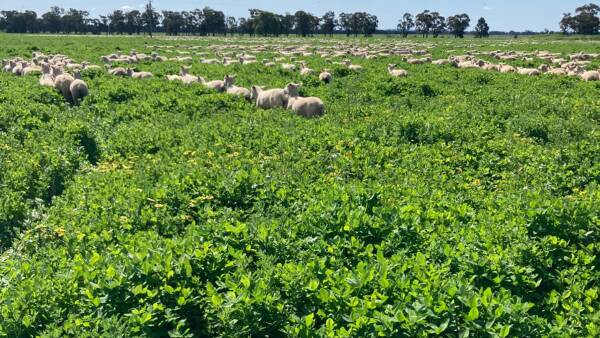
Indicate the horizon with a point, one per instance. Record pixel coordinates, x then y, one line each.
506 16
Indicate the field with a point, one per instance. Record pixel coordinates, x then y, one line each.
450 202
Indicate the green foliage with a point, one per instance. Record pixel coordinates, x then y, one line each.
452 202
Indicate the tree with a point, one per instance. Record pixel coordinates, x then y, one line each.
74 21
305 23
458 24
117 22
150 19
346 23
439 24
51 20
267 23
567 24
406 24
586 20
173 22
214 21
133 22
287 24
482 30
424 22
328 23
232 25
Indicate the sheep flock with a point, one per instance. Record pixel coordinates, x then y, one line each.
65 75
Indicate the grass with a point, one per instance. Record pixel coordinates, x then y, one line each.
454 202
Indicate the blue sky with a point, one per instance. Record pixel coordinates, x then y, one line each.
501 14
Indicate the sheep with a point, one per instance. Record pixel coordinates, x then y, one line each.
227 62
235 90
288 66
7 66
507 69
78 89
528 71
62 83
47 79
138 75
245 61
350 66
268 63
325 76
218 85
396 72
87 66
304 71
590 76
557 71
209 61
119 71
272 98
18 69
441 62
188 78
303 106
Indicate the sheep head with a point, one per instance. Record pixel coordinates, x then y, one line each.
292 90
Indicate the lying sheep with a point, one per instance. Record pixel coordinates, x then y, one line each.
528 71
218 85
288 66
138 75
304 71
325 76
396 72
590 76
119 71
350 66
268 99
47 79
78 89
303 106
187 78
235 90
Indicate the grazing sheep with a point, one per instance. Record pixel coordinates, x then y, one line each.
272 98
396 72
303 106
235 90
325 76
47 79
138 75
62 83
590 76
78 89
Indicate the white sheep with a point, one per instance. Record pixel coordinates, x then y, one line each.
590 76
303 106
230 88
138 75
396 72
304 71
119 71
187 78
62 83
268 99
78 89
288 66
325 76
350 66
218 85
47 79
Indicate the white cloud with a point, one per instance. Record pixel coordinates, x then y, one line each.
126 8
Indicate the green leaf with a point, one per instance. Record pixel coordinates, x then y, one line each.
473 314
308 320
504 331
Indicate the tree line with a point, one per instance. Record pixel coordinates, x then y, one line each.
208 21
584 21
428 22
